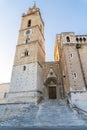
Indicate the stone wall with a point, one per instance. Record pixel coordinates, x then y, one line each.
26 85
72 60
79 99
4 89
24 80
73 65
83 56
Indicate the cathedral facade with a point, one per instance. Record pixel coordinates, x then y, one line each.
34 79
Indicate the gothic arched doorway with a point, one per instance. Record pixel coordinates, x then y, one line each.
52 88
52 92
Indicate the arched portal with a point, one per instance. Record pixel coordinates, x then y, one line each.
52 92
52 89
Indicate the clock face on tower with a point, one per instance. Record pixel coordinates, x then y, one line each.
28 32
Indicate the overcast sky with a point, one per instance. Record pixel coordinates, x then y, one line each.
58 16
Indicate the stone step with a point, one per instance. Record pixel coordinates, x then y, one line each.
59 112
48 113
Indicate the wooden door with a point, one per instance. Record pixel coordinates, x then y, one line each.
52 92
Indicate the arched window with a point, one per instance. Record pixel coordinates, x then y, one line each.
84 39
77 39
26 53
27 40
80 39
24 68
5 95
74 75
68 39
70 55
29 23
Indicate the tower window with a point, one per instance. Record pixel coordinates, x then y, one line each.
74 75
80 39
71 56
68 39
24 68
84 39
27 40
29 23
26 53
77 39
4 95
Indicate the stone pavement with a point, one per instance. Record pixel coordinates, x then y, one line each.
49 113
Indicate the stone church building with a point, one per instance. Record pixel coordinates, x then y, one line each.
33 78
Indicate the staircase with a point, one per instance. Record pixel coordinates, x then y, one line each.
57 113
49 113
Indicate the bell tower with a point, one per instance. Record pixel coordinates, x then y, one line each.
27 78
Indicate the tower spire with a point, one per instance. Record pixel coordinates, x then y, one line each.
34 4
